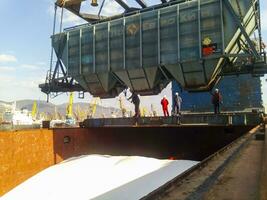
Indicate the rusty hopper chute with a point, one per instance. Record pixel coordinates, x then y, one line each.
192 42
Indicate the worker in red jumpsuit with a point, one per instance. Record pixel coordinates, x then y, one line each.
165 103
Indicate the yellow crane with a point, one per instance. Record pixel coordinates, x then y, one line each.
143 112
69 110
57 114
43 116
80 114
93 106
34 110
122 107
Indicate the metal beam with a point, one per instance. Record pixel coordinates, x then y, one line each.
75 9
60 87
242 29
141 3
123 4
87 17
91 17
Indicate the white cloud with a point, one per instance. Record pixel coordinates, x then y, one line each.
37 66
6 69
29 67
15 89
4 58
28 83
111 8
41 63
69 19
152 2
14 83
6 80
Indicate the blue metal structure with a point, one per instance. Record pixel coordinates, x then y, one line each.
238 92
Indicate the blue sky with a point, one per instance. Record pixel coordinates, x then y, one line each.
26 27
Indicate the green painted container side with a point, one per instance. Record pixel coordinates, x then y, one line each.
138 49
87 52
74 53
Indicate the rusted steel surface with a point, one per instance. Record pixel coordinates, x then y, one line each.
25 153
11 127
71 142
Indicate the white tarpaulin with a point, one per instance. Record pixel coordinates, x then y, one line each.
99 177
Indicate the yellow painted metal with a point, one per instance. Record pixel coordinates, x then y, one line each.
69 110
93 106
67 3
94 3
34 110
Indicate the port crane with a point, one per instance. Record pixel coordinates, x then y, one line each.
34 110
69 111
93 106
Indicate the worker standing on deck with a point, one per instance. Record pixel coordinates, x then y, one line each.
216 101
177 104
165 103
136 101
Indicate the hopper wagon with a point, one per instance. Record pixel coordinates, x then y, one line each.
194 43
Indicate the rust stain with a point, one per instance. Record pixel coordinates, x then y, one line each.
25 153
76 145
22 155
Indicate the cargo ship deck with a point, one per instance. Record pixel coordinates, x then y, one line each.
25 153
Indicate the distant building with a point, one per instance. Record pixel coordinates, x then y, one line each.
16 117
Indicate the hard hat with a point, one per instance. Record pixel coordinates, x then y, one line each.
177 93
216 90
165 96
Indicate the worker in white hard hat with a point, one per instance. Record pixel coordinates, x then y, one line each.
177 104
216 100
165 103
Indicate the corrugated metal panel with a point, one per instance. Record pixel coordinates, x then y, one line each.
146 50
239 93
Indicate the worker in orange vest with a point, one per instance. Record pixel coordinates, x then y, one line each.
165 103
